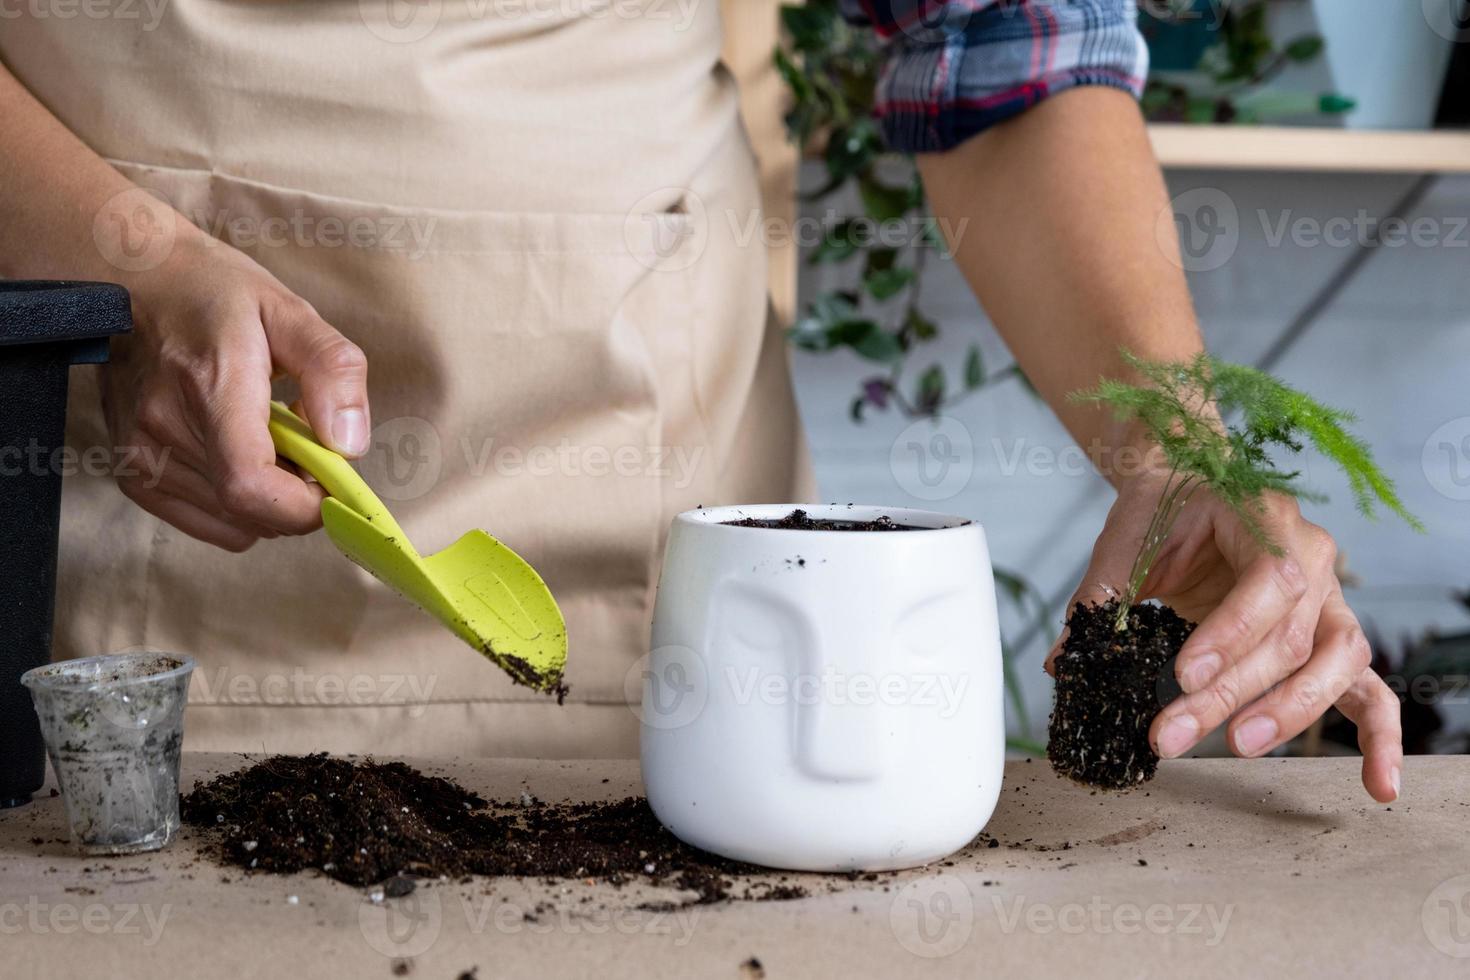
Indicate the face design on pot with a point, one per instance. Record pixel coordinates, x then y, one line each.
833 685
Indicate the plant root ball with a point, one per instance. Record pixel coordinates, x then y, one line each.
1109 688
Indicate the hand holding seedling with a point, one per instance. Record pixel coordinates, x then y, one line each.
1216 534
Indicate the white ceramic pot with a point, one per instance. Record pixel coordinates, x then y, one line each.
824 700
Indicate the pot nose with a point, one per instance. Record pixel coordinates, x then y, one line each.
843 728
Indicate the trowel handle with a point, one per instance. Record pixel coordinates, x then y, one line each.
295 441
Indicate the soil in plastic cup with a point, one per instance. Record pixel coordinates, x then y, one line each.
113 727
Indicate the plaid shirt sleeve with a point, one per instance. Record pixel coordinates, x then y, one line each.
956 67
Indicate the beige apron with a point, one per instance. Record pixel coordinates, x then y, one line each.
541 222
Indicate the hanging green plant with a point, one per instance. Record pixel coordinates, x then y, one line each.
831 70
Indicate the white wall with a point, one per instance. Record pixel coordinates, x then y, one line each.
1392 345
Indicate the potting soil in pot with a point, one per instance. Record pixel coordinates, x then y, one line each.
800 520
364 823
1110 686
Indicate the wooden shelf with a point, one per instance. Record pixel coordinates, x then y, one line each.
1301 148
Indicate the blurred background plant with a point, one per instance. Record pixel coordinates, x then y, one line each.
1431 675
831 70
1212 64
1218 68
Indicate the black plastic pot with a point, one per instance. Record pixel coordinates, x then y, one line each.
45 328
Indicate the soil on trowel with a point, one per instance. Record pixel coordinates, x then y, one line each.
1110 686
800 520
363 822
522 673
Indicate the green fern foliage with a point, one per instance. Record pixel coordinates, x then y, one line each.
1184 407
1283 415
1234 461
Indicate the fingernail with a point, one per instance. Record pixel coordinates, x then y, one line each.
1200 672
349 431
1252 737
1395 780
1178 736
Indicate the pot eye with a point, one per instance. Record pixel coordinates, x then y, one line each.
758 622
933 629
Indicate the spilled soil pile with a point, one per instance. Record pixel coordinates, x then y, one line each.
365 822
1109 688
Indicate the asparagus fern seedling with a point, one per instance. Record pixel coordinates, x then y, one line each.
1183 407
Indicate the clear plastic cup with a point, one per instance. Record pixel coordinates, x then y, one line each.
113 727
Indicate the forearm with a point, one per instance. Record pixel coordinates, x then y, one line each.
54 192
1060 209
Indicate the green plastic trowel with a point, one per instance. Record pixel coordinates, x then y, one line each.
487 594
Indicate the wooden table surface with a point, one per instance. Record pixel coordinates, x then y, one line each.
1219 867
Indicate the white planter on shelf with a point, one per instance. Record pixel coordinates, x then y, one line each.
1390 58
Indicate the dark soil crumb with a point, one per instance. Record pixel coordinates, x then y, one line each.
1109 688
399 886
800 520
363 822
